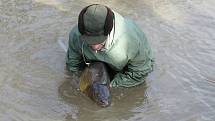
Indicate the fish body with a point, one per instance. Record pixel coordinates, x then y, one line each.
94 82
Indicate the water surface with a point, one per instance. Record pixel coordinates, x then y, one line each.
34 84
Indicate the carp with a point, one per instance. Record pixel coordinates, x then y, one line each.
94 82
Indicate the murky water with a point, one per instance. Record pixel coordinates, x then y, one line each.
35 86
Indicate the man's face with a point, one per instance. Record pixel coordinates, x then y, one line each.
97 47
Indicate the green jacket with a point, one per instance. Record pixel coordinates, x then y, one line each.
128 47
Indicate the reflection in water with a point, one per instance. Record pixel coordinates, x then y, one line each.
35 86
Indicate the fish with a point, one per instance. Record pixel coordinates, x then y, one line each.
94 83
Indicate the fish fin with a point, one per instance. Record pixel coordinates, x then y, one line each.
85 79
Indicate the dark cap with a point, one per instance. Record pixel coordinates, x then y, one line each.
94 21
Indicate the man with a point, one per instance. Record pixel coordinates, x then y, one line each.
104 35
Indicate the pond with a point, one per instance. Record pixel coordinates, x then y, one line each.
34 84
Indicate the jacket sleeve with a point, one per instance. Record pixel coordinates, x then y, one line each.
135 74
74 59
138 68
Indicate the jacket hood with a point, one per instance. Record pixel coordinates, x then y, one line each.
116 31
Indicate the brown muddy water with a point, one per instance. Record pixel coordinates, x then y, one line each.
34 85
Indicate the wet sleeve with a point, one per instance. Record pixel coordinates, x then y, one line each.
138 67
74 59
135 75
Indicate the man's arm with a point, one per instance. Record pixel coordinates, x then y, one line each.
135 74
74 59
137 69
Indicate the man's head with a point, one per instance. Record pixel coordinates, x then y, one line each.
95 23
